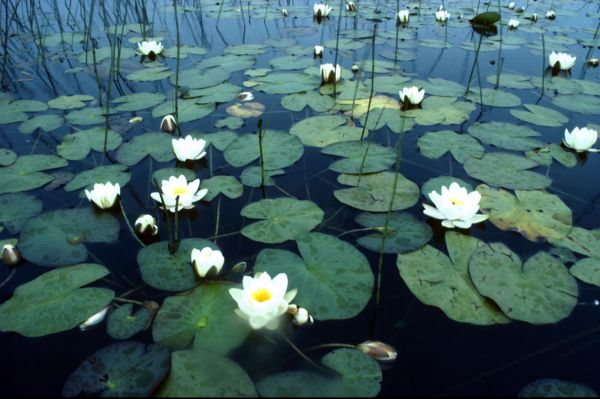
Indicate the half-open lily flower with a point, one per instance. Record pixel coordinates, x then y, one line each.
149 49
513 23
442 15
402 17
318 51
329 74
168 124
207 261
581 139
351 6
263 300
11 256
550 14
146 225
189 148
455 207
284 12
245 96
411 96
566 61
188 193
321 10
104 195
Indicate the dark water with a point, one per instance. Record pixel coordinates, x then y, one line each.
436 356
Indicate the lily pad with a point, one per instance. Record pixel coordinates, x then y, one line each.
150 73
246 110
7 157
404 232
360 157
580 240
88 116
333 278
122 369
226 185
494 98
16 208
157 145
320 131
55 302
587 270
462 146
121 324
220 93
251 176
56 238
220 140
506 170
581 103
441 111
317 102
26 173
200 79
540 116
77 146
138 101
554 388
189 110
539 292
46 123
15 111
279 150
101 174
70 102
287 83
283 219
506 135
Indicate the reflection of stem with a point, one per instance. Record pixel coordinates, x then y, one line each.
474 63
543 63
302 354
337 45
362 134
12 273
129 224
177 68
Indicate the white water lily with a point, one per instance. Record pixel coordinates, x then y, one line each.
403 16
178 186
149 47
442 15
206 260
550 14
284 12
94 319
581 139
245 96
146 225
11 256
262 301
189 148
321 10
168 124
513 23
351 6
567 61
455 207
318 51
511 5
329 74
412 95
104 195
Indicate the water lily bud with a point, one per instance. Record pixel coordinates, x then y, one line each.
378 350
351 6
245 96
168 124
318 52
94 319
239 268
302 317
292 309
284 12
550 15
512 24
330 74
593 62
520 10
10 255
207 262
354 68
440 7
146 225
534 17
511 5
136 119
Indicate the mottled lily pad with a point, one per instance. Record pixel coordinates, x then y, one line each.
138 101
226 185
554 388
280 150
157 145
462 146
70 102
494 98
78 145
587 270
122 324
360 157
541 116
16 208
101 174
506 135
188 110
506 170
252 176
26 173
404 232
46 123
287 83
320 131
317 102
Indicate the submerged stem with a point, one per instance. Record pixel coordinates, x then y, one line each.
129 224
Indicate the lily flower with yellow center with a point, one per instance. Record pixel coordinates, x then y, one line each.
178 186
455 207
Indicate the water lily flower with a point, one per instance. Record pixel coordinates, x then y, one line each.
581 139
104 195
168 124
566 61
351 6
146 225
402 17
411 96
378 350
513 23
511 5
302 317
149 49
318 52
284 12
329 74
442 15
440 7
455 207
207 261
321 10
94 319
355 68
245 96
189 148
262 301
11 256
188 193
550 14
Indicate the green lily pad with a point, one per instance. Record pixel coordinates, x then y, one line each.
157 145
150 73
320 131
252 177
88 116
317 102
441 111
280 150
512 81
537 215
436 183
114 173
587 270
442 87
494 98
55 302
580 240
56 238
138 101
386 117
165 173
25 174
404 233
189 110
462 146
246 49
287 83
231 122
200 79
220 140
546 154
554 388
207 313
184 51
15 111
16 208
226 185
70 102
360 157
121 324
581 103
506 170
283 219
168 272
540 116
506 135
227 62
290 62
221 93
333 278
123 369
443 280
77 146
7 157
373 193
539 292
196 373
45 122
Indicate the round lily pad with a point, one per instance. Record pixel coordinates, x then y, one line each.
246 110
7 157
404 233
16 208
462 146
26 172
188 110
494 98
252 177
540 116
589 105
70 102
122 324
102 174
45 122
138 101
580 240
320 131
506 135
279 150
287 83
317 102
157 145
506 170
226 185
554 388
360 157
587 270
78 145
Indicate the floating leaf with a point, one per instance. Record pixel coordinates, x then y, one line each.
121 324
16 208
45 122
320 131
150 73
581 103
506 135
360 157
220 140
200 79
226 185
290 62
506 170
78 145
102 174
227 62
404 232
279 150
15 111
587 270
540 116
283 219
494 98
157 145
251 176
554 388
55 302
580 240
539 292
25 174
88 116
138 101
7 157
441 111
188 110
246 110
220 93
462 146
317 102
287 83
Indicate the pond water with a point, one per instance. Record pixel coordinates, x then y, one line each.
322 181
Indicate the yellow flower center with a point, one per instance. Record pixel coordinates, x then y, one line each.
180 190
261 295
456 201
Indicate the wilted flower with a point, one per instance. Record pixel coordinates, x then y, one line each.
318 51
511 5
149 49
329 74
189 148
10 255
442 15
284 12
146 225
207 261
455 207
104 195
411 96
378 350
513 23
581 139
321 10
550 14
245 96
262 300
565 60
188 193
94 319
168 124
351 6
402 17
